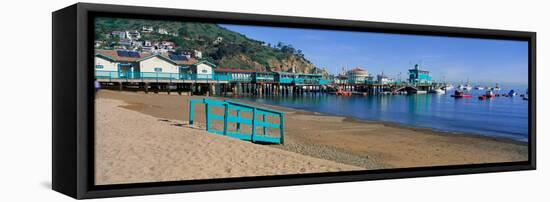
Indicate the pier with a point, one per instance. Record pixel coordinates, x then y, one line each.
239 82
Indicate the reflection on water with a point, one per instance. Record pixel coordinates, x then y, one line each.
500 116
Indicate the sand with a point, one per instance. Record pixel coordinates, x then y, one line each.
338 140
132 147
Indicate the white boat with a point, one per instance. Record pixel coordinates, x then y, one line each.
448 86
437 91
479 88
467 87
496 88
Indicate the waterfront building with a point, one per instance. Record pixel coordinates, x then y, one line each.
234 75
264 77
418 76
117 63
203 70
357 76
383 79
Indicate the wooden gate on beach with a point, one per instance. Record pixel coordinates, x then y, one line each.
238 118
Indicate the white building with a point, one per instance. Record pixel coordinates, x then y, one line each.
162 31
203 70
357 75
147 29
158 64
119 34
197 54
133 35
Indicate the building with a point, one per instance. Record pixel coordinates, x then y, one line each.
162 31
203 70
131 64
357 76
117 63
218 40
235 75
147 29
119 34
383 79
197 54
133 35
418 76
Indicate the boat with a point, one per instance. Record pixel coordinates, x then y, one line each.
479 88
467 87
496 88
448 86
490 94
512 93
437 91
461 94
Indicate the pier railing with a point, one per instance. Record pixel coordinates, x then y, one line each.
116 75
233 113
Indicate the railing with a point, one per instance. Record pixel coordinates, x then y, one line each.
239 108
116 75
110 75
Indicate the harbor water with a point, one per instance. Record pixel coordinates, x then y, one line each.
505 117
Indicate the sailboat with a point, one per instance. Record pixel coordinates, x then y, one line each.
496 88
448 86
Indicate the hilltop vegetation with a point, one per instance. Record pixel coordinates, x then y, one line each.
218 45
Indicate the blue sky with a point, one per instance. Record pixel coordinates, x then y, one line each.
448 58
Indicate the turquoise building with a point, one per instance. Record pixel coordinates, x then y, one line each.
418 76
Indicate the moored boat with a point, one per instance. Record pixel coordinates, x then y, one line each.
512 93
461 94
437 91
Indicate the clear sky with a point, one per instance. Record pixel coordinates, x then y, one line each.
448 58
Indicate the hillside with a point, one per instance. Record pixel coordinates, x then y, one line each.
219 45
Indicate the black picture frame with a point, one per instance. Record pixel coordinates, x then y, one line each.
73 97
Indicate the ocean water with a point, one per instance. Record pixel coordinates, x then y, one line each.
499 117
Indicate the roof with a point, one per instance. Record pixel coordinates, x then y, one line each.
205 62
190 61
112 55
357 69
235 70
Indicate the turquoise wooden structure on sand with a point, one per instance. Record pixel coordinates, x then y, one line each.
233 113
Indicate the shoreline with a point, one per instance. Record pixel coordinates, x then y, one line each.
367 144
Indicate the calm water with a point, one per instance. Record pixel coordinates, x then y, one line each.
500 116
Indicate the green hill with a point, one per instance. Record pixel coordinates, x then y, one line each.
234 51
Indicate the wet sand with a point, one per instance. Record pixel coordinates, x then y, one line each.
369 145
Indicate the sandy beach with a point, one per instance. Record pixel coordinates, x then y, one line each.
132 147
144 137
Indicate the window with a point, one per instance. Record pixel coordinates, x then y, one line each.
158 69
99 66
204 71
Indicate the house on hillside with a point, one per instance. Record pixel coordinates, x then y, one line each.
133 35
119 34
147 29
